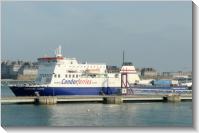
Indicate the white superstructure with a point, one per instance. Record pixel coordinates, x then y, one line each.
68 72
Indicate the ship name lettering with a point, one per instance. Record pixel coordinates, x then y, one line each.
73 81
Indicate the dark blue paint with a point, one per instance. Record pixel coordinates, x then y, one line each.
54 91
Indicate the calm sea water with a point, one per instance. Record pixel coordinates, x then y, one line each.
96 114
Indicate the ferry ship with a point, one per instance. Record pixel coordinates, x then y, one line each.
66 76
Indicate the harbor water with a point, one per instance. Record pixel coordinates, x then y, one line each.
96 114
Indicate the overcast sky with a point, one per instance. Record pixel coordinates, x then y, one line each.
153 34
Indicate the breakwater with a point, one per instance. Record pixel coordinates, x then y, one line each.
102 99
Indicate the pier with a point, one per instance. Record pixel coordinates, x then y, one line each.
101 99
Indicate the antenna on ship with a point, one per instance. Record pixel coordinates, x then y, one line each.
123 58
58 51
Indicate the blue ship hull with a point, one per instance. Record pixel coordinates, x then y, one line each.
56 91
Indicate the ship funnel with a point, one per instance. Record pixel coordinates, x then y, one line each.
58 51
129 74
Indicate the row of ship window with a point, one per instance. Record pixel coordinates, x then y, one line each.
67 76
58 75
89 66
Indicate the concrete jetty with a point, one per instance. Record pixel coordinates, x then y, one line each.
102 99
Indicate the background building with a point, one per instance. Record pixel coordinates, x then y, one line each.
148 73
19 70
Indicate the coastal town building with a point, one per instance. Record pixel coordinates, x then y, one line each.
149 73
182 74
26 70
18 70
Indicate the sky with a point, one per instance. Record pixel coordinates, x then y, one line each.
152 34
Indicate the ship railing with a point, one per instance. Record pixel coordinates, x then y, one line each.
20 83
169 90
16 82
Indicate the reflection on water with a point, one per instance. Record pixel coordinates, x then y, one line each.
127 114
97 114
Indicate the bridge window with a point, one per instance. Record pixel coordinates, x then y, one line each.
55 75
69 76
76 76
66 76
73 75
58 75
